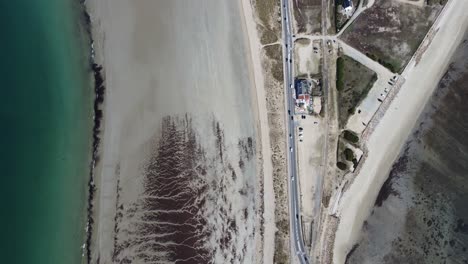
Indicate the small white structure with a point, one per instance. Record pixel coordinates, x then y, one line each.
348 7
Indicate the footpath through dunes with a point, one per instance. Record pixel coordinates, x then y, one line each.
388 138
178 174
420 214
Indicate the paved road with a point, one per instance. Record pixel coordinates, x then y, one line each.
294 194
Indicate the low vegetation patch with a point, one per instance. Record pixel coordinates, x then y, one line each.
391 31
268 12
274 53
353 82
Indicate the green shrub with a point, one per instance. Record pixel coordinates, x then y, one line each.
350 136
342 166
349 154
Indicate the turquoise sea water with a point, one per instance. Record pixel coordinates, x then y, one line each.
46 118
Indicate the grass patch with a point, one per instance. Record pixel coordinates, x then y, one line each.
340 74
353 82
393 66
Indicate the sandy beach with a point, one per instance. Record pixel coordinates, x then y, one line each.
263 134
388 137
181 152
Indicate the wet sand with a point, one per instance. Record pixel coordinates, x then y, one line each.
179 167
420 214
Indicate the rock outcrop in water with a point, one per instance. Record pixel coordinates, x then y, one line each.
99 92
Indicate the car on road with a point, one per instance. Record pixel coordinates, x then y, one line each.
292 178
290 136
291 149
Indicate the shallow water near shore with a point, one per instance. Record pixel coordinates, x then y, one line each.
420 215
46 114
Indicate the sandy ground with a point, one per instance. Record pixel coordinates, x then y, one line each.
310 159
269 198
308 62
369 105
389 135
171 58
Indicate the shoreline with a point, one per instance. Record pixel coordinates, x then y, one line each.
391 133
99 89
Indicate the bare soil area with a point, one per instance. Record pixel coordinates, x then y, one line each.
391 31
307 57
308 16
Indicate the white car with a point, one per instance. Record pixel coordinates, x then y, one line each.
290 149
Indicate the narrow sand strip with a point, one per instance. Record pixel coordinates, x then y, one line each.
389 136
263 131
